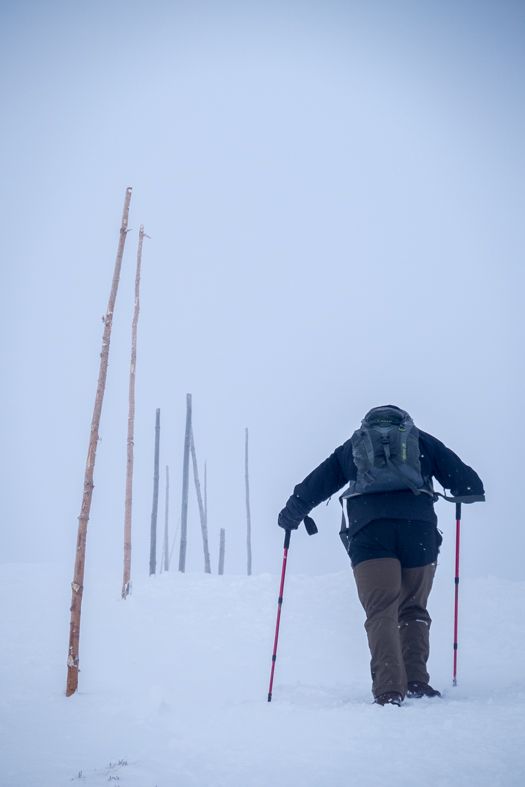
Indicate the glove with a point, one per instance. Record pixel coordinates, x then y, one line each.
287 521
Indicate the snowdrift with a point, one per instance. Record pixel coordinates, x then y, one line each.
174 682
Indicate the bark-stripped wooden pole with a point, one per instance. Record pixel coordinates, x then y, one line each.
166 517
202 514
185 482
155 505
222 540
248 517
131 425
78 578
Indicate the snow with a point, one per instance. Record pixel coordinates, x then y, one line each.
174 682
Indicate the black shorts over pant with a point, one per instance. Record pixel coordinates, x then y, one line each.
412 542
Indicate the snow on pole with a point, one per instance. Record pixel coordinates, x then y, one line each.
185 480
131 425
155 505
78 578
248 517
202 511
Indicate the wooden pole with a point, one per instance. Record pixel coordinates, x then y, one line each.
131 425
205 493
248 517
78 578
185 480
155 506
222 541
204 524
166 517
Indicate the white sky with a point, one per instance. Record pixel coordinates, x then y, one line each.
334 192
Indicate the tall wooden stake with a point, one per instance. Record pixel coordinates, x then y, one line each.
185 481
166 516
248 518
131 425
204 524
222 540
155 506
78 578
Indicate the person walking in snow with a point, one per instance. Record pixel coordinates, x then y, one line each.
391 536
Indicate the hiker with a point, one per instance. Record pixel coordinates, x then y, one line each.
391 536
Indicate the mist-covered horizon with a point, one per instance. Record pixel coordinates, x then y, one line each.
334 195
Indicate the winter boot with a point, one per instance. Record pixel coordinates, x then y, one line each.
417 689
389 698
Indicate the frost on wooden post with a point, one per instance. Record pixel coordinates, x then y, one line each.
126 585
78 578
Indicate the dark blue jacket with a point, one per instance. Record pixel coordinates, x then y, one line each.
334 473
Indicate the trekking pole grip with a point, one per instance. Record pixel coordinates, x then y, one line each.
288 533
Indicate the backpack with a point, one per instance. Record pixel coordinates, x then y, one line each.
386 453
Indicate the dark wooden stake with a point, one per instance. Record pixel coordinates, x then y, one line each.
248 517
78 578
131 425
222 543
185 481
202 513
155 506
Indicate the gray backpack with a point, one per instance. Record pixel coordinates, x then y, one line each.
386 453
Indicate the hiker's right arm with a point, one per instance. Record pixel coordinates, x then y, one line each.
319 485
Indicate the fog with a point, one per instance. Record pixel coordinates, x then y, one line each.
334 195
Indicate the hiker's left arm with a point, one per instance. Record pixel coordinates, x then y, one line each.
449 470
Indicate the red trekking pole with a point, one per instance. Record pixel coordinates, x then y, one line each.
279 605
311 529
456 599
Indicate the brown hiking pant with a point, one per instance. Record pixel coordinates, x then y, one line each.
397 621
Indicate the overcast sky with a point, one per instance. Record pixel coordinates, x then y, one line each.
334 194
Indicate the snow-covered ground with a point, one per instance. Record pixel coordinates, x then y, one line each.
174 681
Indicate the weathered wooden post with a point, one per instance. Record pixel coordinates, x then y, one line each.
78 578
166 516
185 480
202 514
131 425
248 518
155 506
222 542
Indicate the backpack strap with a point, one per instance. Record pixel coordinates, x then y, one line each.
396 470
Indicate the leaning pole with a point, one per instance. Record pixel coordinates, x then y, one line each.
78 579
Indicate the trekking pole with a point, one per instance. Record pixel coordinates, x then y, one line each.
456 598
311 529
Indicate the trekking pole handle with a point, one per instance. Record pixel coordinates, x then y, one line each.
287 534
